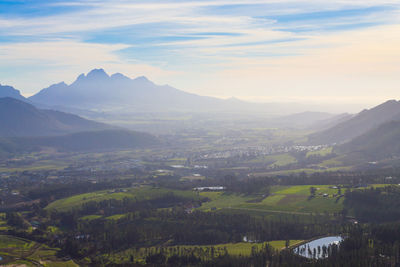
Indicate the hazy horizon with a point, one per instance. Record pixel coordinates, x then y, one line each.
316 106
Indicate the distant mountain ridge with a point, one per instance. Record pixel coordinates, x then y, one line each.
18 118
24 128
359 124
99 92
9 91
302 120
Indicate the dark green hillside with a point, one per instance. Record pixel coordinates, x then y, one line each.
18 118
380 143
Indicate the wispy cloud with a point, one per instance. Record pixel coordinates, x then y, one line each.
198 39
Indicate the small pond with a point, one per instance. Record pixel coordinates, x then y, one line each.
307 249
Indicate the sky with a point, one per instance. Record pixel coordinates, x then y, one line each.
314 51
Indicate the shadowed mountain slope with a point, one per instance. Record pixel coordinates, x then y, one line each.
358 124
18 118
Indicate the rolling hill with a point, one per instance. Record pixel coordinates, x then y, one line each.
18 118
359 124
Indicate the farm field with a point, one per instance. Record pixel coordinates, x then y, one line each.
14 250
305 170
285 199
322 152
277 160
281 198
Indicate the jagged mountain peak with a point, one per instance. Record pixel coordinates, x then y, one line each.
97 73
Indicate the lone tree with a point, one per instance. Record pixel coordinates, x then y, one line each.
313 190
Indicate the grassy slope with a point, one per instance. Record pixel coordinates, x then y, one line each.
142 193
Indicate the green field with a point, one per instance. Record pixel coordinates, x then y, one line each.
304 170
277 160
283 199
322 152
221 200
333 162
142 193
192 178
287 199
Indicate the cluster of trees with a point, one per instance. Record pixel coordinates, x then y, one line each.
62 190
154 226
111 207
377 245
348 179
16 220
374 204
303 159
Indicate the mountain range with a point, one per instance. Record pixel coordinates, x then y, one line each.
371 135
27 128
99 92
375 129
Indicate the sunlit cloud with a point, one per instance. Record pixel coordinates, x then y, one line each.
279 49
